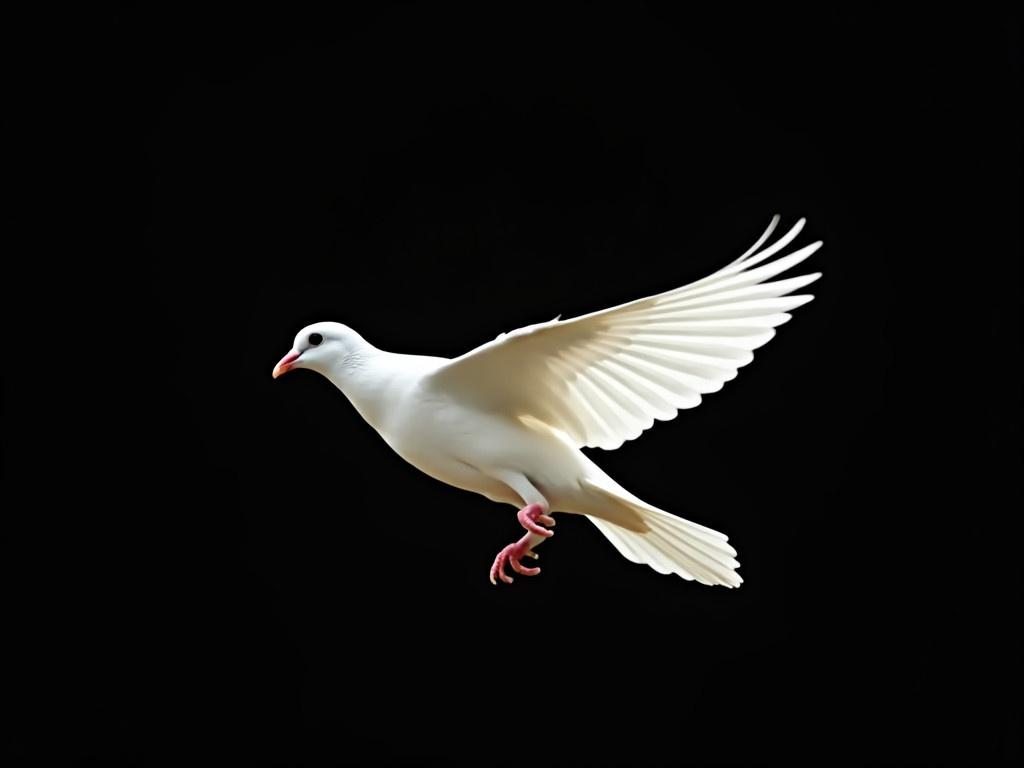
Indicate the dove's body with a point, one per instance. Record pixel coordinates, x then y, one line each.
507 420
458 444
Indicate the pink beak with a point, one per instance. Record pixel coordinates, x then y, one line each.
287 363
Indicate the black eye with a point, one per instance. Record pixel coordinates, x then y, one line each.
315 339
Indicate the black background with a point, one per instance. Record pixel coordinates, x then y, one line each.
209 564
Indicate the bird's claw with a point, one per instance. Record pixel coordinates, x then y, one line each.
532 514
512 555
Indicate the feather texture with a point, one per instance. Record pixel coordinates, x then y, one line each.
605 377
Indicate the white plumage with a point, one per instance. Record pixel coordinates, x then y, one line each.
508 418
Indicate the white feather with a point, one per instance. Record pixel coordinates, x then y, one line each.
666 351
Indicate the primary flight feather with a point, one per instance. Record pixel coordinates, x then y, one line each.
507 419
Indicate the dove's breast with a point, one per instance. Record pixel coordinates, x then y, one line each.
445 441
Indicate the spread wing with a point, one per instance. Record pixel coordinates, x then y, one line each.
603 378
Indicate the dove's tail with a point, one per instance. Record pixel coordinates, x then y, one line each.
667 543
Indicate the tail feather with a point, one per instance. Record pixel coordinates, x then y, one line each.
674 545
715 564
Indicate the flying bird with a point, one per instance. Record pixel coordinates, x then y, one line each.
508 419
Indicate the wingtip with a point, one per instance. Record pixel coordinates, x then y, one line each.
804 298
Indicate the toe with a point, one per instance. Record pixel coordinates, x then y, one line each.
520 568
532 527
498 568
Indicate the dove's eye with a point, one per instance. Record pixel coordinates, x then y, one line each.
315 339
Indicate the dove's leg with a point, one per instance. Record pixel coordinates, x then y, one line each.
529 517
535 512
537 507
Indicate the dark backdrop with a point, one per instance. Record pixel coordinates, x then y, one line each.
216 565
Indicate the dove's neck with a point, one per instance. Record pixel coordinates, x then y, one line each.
370 378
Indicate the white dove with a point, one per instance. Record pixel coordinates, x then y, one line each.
507 419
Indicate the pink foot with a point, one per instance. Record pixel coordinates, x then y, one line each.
530 515
512 554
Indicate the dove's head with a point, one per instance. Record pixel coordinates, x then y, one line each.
322 347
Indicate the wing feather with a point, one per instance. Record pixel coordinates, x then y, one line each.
605 377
